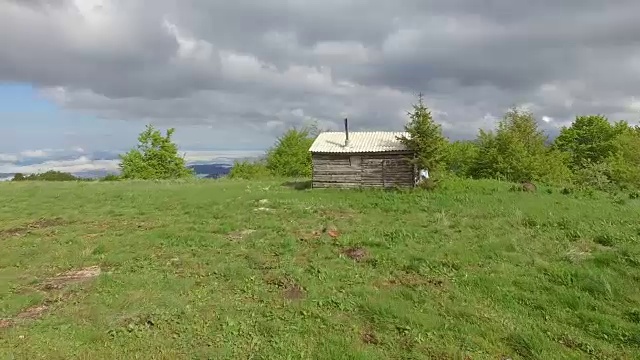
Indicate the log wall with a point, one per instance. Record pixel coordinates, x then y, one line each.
363 170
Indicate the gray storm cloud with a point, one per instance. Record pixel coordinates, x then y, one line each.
263 66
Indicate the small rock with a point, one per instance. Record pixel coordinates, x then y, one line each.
528 187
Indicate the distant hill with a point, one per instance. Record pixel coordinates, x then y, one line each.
208 171
211 171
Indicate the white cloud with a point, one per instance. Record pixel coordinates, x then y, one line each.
86 163
633 105
10 158
36 153
80 164
249 69
223 157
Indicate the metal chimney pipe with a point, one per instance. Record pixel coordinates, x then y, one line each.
346 132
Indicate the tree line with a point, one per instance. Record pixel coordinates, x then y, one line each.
592 152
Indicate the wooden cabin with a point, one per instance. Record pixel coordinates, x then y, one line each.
361 159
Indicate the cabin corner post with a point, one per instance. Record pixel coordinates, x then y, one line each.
415 170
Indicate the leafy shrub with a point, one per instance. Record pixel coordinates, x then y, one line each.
460 156
589 139
155 158
567 191
517 152
554 168
46 176
249 170
429 184
594 175
290 156
625 163
111 177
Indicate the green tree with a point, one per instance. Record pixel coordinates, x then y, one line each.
155 157
517 151
425 138
460 156
624 164
18 177
589 139
290 156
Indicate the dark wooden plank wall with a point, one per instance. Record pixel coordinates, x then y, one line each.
363 170
335 171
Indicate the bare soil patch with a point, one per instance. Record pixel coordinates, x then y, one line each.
368 337
57 282
528 187
31 313
356 253
72 276
330 230
294 292
240 235
308 235
42 223
414 280
580 250
290 289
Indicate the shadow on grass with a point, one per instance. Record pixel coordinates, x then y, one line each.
298 185
306 184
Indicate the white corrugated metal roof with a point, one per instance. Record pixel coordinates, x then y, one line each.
359 142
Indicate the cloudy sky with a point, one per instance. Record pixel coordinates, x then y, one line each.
83 77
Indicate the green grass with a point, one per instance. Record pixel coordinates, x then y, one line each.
471 270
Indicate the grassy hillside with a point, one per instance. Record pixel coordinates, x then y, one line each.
238 270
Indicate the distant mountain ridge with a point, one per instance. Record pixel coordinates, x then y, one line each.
208 171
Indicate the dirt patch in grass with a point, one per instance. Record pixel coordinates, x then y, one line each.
42 223
569 342
581 250
240 234
72 276
356 253
413 280
57 282
308 235
294 292
291 290
329 230
369 337
30 313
